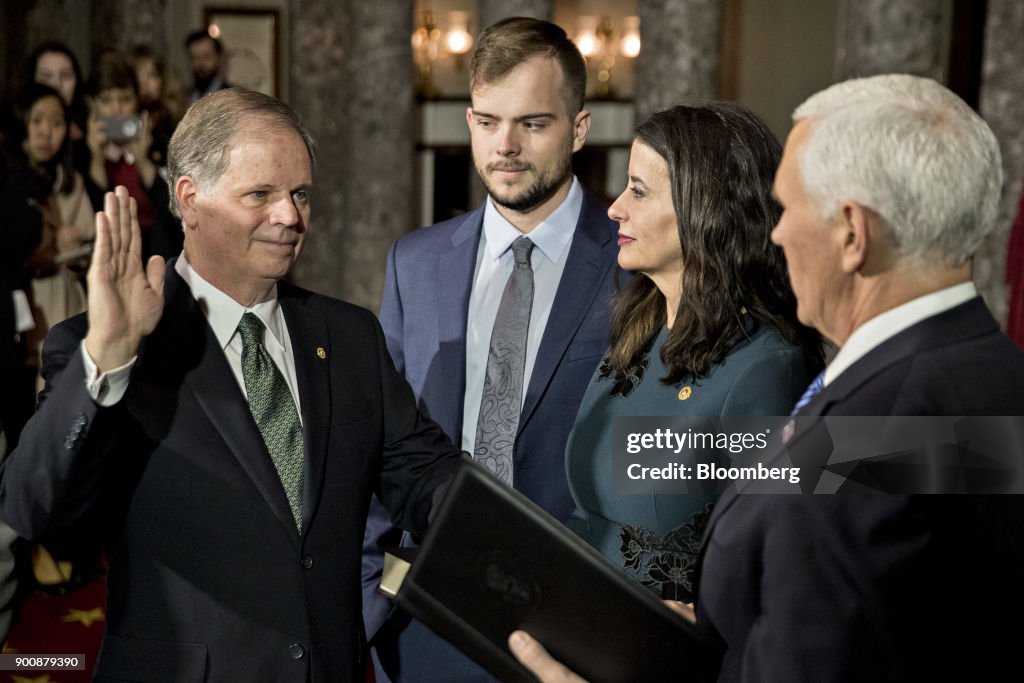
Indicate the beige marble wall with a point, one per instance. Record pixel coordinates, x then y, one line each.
354 88
1002 105
49 20
680 56
61 20
491 11
886 36
123 24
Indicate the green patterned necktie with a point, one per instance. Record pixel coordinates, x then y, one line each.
272 407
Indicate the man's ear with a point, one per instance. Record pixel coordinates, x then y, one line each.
855 224
186 192
580 128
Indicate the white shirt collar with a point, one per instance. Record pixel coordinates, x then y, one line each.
551 237
224 313
886 325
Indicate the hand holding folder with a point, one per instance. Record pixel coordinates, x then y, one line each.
493 562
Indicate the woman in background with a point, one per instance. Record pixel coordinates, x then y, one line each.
160 95
53 63
707 327
41 144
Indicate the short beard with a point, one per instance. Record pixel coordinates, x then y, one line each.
203 82
542 189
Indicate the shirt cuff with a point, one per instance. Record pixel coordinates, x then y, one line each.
106 388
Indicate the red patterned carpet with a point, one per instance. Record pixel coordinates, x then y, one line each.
58 624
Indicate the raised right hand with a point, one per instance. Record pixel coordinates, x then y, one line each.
125 301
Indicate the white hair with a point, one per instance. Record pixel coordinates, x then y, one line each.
913 152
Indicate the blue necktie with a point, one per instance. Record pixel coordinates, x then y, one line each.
813 390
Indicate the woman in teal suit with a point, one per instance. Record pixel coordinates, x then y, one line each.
707 328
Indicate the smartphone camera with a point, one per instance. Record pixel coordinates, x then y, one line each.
123 128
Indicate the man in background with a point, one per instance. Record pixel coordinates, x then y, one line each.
517 289
209 64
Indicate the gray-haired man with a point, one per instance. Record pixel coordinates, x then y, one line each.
220 432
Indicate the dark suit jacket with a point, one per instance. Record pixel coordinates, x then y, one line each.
209 578
886 587
20 232
424 315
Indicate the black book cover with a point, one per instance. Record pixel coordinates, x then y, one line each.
493 562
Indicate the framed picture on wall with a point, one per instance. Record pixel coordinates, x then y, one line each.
252 42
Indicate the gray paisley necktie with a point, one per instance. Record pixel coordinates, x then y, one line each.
502 398
272 407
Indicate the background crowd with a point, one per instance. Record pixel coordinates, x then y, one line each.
66 139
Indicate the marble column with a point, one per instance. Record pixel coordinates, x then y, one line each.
352 82
490 11
49 20
123 24
1002 105
679 60
63 20
885 36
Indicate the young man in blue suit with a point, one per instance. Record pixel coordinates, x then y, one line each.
219 432
444 302
889 185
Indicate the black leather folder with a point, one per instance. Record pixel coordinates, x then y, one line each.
493 562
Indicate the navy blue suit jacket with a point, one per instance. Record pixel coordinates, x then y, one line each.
424 316
879 587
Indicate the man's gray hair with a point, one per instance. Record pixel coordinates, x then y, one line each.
201 144
913 152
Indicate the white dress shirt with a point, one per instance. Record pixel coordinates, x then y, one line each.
494 263
886 325
223 315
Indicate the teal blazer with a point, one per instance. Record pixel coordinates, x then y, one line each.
656 537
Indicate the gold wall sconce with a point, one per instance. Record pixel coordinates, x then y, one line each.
602 41
432 43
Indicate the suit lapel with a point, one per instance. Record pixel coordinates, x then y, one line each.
585 267
455 268
966 321
184 330
969 319
311 352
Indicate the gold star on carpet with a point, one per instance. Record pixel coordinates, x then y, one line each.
84 617
45 678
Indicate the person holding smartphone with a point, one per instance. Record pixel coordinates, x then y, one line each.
119 138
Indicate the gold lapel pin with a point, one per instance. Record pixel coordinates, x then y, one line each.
684 393
321 354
